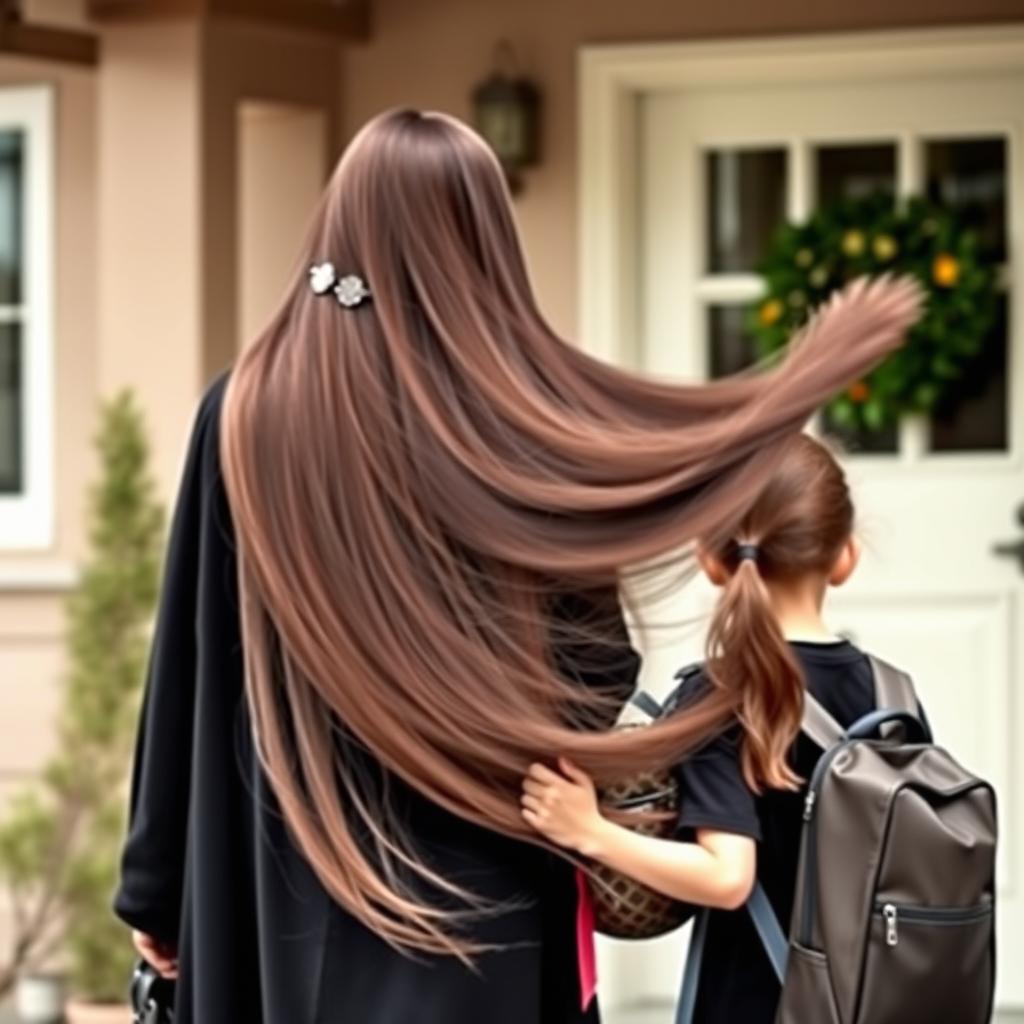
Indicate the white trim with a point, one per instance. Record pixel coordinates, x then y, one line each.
729 288
613 79
43 576
27 520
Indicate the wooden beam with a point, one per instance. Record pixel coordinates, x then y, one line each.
48 43
346 19
140 9
349 19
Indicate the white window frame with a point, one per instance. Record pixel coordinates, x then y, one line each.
27 519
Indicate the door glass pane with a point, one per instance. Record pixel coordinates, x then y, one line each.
746 190
10 409
730 348
975 418
11 153
969 176
862 442
854 171
845 172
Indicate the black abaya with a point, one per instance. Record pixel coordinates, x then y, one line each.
209 866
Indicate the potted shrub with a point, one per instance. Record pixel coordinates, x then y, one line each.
60 841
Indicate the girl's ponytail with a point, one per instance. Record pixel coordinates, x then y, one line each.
793 532
748 655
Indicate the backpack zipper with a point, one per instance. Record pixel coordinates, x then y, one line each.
810 839
892 914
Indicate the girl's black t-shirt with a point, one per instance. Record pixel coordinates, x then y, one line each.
737 982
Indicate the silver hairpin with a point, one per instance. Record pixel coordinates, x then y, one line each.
322 278
350 290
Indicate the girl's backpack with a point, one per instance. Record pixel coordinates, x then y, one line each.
893 918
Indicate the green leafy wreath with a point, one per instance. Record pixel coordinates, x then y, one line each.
806 262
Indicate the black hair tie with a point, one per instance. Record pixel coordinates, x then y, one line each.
747 551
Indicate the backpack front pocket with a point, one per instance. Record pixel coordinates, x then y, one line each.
807 992
927 964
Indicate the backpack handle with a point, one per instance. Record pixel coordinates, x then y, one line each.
872 723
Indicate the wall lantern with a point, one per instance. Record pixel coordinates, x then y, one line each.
506 112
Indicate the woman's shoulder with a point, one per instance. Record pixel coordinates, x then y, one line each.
204 441
212 401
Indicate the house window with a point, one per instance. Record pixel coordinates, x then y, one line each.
26 335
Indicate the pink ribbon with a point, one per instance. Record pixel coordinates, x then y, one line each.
585 948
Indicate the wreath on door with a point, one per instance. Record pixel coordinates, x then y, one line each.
806 262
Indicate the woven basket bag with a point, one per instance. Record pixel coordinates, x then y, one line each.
623 907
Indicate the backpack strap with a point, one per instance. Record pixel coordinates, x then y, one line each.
646 704
818 725
691 972
769 931
894 690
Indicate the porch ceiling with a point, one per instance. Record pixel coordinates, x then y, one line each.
346 19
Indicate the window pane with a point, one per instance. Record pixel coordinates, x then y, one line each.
855 171
862 442
746 190
969 176
730 349
975 419
11 159
10 409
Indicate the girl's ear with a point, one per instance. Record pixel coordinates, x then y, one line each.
846 563
712 567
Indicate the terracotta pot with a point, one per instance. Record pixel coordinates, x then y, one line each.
78 1012
39 998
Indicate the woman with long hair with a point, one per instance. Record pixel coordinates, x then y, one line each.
392 585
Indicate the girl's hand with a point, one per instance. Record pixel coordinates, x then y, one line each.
157 954
563 807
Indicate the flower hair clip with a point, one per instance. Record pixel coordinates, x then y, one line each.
350 289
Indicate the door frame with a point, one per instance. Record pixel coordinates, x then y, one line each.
613 79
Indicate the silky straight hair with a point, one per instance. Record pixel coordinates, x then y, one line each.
412 482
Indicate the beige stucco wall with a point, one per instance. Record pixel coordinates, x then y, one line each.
149 231
282 154
432 54
244 63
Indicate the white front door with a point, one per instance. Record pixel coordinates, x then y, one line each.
720 166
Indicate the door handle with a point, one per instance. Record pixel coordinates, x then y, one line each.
1012 548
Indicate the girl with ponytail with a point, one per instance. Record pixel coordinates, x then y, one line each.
742 793
393 585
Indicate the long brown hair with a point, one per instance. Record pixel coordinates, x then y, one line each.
409 478
798 524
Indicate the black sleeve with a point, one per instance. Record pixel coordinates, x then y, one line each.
592 648
712 790
152 866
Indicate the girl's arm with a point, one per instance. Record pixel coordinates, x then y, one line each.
717 870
